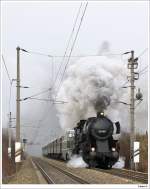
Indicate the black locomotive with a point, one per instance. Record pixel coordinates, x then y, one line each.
94 140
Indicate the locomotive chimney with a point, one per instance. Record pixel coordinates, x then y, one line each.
100 114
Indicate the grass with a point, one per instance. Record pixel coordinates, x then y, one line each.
125 150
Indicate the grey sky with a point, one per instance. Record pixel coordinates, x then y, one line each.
45 27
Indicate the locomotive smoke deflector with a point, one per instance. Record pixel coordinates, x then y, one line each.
117 127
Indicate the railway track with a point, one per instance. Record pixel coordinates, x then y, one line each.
48 179
129 174
72 177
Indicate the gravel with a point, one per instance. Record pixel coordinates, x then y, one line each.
92 176
26 174
56 176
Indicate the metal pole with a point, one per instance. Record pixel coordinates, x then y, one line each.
132 137
18 97
9 138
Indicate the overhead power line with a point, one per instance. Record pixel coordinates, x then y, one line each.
74 40
141 71
70 37
37 94
72 56
6 69
44 116
10 94
42 92
143 52
139 103
72 47
11 82
37 53
44 99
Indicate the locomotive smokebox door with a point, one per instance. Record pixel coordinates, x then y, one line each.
102 146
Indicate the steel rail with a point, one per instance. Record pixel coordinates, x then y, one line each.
129 174
71 175
68 173
43 172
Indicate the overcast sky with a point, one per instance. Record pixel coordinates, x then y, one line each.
45 27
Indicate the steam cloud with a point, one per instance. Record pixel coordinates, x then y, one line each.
92 84
76 161
119 164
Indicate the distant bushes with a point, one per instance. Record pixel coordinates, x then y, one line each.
143 165
125 150
8 164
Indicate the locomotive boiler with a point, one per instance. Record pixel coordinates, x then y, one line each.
94 140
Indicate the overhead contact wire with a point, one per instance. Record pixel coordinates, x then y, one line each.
6 69
70 37
72 48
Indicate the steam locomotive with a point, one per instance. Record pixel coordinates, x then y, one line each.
93 139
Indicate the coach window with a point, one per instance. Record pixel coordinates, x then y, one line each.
68 144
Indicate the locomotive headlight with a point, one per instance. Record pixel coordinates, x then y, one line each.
93 149
113 149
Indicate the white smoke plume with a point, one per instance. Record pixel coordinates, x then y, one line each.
92 84
120 163
76 162
104 49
